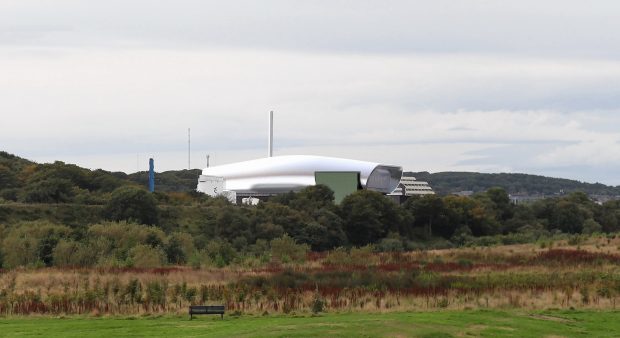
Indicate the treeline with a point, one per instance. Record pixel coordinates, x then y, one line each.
140 229
61 214
28 182
450 182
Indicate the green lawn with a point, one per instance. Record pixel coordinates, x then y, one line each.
404 324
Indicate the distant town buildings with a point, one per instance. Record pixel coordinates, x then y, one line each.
409 187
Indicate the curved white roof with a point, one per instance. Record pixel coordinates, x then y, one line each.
292 173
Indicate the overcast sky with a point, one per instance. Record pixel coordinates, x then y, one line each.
491 86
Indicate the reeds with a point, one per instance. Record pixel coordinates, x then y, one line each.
356 280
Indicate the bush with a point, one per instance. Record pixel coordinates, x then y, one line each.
363 256
285 249
179 248
591 226
132 204
116 239
199 259
390 245
52 190
221 253
72 253
32 243
318 304
144 256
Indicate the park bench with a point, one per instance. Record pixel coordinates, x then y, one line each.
206 310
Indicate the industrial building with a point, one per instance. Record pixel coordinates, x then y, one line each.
249 181
274 175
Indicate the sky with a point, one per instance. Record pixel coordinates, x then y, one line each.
490 86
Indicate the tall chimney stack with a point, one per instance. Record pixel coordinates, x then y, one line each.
270 144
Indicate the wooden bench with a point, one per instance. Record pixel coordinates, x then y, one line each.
206 310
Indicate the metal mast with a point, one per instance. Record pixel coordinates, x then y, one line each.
270 140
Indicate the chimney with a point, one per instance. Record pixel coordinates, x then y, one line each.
270 144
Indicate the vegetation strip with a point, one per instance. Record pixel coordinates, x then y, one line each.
407 324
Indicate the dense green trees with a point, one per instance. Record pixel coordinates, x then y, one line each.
368 217
213 231
132 204
72 206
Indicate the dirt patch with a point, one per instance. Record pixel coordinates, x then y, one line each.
551 318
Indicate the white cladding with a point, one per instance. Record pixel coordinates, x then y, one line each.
210 185
291 173
214 186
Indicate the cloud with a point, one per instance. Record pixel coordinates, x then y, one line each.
528 87
558 27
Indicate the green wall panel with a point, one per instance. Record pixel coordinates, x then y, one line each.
343 183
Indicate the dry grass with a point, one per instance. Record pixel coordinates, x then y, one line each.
525 276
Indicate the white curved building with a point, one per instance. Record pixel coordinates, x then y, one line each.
279 174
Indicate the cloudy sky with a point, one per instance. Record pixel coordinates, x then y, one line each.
492 86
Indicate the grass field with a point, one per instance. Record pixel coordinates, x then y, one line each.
526 277
474 323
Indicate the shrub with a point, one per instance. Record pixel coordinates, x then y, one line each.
144 256
390 245
199 259
32 243
220 252
338 256
117 238
285 249
591 226
179 248
363 256
72 253
132 204
318 304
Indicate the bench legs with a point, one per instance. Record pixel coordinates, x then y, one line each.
191 316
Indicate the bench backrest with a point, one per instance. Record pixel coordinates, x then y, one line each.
198 309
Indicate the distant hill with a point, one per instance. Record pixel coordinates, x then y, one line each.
451 182
10 168
24 180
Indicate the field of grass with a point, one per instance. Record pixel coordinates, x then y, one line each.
529 277
476 323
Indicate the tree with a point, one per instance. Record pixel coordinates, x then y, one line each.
568 217
368 217
132 204
609 216
8 179
426 211
313 197
179 248
51 190
501 203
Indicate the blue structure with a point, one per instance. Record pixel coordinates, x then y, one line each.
151 175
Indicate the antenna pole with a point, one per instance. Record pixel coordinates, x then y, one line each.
188 149
270 141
